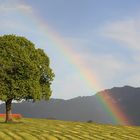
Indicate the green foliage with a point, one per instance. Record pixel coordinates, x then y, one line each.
24 70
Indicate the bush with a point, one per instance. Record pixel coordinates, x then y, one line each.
89 121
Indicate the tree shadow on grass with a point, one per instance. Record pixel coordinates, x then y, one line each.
12 122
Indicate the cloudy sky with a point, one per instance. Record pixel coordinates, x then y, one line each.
92 44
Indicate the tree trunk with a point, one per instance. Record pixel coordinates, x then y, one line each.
8 104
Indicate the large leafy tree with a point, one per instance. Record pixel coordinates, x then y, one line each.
25 71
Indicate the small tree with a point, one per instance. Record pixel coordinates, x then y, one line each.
25 71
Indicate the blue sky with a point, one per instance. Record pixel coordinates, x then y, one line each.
103 33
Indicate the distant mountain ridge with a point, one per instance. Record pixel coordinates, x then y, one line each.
84 108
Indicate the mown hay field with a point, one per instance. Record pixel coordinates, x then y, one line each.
43 129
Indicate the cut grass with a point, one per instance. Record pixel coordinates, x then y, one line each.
43 129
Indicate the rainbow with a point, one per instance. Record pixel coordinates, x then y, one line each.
89 77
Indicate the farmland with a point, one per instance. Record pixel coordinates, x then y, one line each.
43 129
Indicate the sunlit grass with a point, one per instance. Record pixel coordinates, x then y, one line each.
43 129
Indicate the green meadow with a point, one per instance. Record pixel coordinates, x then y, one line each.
43 129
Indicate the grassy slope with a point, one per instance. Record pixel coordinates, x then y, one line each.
34 129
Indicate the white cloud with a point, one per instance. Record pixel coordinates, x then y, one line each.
11 6
110 68
125 32
70 86
105 67
134 80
